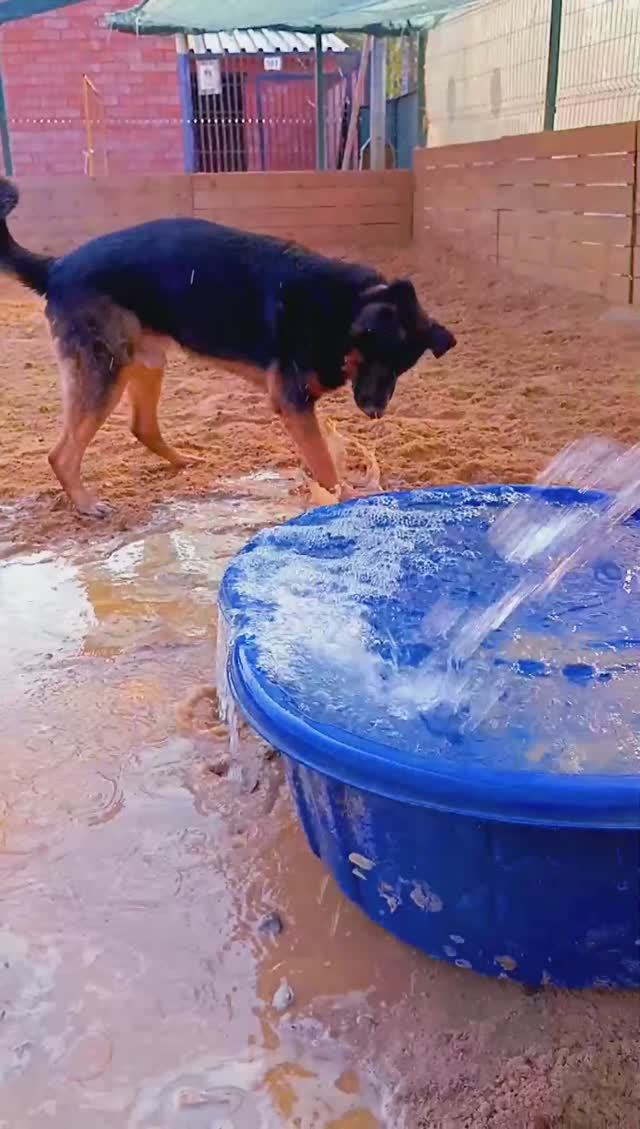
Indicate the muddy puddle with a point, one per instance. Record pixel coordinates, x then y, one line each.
150 910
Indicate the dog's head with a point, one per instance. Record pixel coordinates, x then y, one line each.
389 334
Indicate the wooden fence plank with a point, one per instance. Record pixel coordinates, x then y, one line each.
614 169
581 228
366 235
329 216
275 182
459 217
585 141
619 138
603 258
611 287
459 156
575 199
207 198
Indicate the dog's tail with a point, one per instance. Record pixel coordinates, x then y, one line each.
32 270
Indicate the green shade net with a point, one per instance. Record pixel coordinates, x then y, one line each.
22 9
377 17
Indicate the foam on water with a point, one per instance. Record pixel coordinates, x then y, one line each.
508 625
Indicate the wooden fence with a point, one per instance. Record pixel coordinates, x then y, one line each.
559 207
318 209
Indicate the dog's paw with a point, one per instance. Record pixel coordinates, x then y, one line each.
183 462
95 509
321 497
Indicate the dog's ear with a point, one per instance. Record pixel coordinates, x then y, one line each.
402 294
439 339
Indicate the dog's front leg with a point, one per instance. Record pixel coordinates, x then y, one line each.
303 427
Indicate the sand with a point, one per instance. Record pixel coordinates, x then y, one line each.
533 368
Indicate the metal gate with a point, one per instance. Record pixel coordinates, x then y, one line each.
248 115
219 140
286 106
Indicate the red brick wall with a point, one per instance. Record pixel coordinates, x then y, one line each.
43 60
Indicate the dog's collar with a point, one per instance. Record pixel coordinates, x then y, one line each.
349 370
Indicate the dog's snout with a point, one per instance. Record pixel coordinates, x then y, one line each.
372 411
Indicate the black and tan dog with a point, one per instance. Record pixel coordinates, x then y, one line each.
304 323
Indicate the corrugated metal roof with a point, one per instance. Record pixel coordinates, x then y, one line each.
260 40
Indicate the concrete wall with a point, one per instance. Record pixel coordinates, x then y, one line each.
486 68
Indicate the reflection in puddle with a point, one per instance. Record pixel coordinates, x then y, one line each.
135 982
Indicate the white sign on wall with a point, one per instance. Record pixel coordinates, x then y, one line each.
209 77
273 62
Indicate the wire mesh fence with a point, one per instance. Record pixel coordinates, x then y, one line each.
599 75
486 68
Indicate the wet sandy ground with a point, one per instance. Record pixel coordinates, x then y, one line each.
139 951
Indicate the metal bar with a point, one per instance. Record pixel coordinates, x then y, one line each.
101 129
320 120
5 137
186 104
553 59
260 112
219 110
89 163
237 122
207 110
378 103
232 84
351 143
634 251
422 89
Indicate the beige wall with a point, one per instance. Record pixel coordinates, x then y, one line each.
486 68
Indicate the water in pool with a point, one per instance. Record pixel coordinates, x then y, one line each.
503 629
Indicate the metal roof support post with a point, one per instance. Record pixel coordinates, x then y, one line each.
422 89
378 102
183 64
5 139
320 121
553 60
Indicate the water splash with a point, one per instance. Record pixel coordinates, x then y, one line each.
545 543
344 611
244 768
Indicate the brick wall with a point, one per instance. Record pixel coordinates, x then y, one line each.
43 60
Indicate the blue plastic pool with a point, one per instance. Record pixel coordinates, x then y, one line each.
505 838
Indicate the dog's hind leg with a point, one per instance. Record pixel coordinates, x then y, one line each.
144 388
89 396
